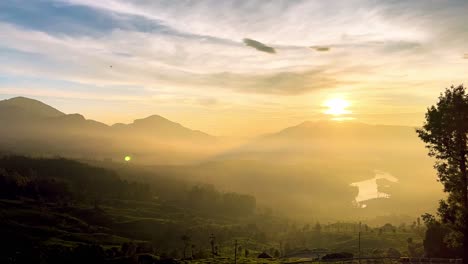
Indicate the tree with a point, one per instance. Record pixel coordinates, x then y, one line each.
186 239
318 227
277 253
434 242
445 133
415 250
212 243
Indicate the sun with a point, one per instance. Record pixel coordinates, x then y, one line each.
127 158
337 107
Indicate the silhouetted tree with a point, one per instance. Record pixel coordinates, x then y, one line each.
271 251
445 133
186 239
287 248
434 244
318 227
212 244
415 250
192 250
276 254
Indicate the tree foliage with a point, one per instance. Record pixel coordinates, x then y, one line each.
445 133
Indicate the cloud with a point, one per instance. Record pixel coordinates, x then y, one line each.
207 101
258 45
321 48
281 83
401 46
180 46
465 56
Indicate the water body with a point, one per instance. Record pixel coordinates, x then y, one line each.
368 189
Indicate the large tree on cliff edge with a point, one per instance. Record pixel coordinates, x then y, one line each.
445 133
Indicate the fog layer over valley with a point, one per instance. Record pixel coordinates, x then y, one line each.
322 170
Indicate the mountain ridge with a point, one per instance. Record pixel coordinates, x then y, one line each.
39 129
44 111
26 108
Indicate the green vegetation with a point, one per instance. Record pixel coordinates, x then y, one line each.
59 210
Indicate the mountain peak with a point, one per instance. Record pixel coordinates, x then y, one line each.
153 118
27 107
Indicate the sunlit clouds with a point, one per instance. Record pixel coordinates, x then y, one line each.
272 63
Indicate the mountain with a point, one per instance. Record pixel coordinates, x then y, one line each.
77 121
39 129
330 139
25 109
298 170
22 111
309 168
161 127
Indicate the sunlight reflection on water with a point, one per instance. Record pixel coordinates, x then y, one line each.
368 189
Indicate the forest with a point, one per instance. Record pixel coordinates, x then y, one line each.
56 210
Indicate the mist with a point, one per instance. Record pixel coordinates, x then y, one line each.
245 132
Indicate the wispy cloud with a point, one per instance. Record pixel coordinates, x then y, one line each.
321 48
196 49
258 45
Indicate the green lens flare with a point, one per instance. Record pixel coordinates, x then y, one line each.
128 158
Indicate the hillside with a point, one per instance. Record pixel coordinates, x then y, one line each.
38 129
63 211
22 109
307 170
297 168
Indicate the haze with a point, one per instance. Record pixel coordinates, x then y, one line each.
169 128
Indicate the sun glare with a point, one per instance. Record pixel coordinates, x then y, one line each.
336 107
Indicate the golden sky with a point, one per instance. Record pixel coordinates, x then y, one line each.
234 68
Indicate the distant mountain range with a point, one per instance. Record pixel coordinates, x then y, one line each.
308 170
24 111
310 166
35 127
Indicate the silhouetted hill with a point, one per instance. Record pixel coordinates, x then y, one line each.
52 208
309 168
329 138
333 129
25 109
317 160
38 129
76 123
159 126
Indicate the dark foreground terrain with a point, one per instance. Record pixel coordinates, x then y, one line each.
62 211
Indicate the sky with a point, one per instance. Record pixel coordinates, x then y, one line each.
234 67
